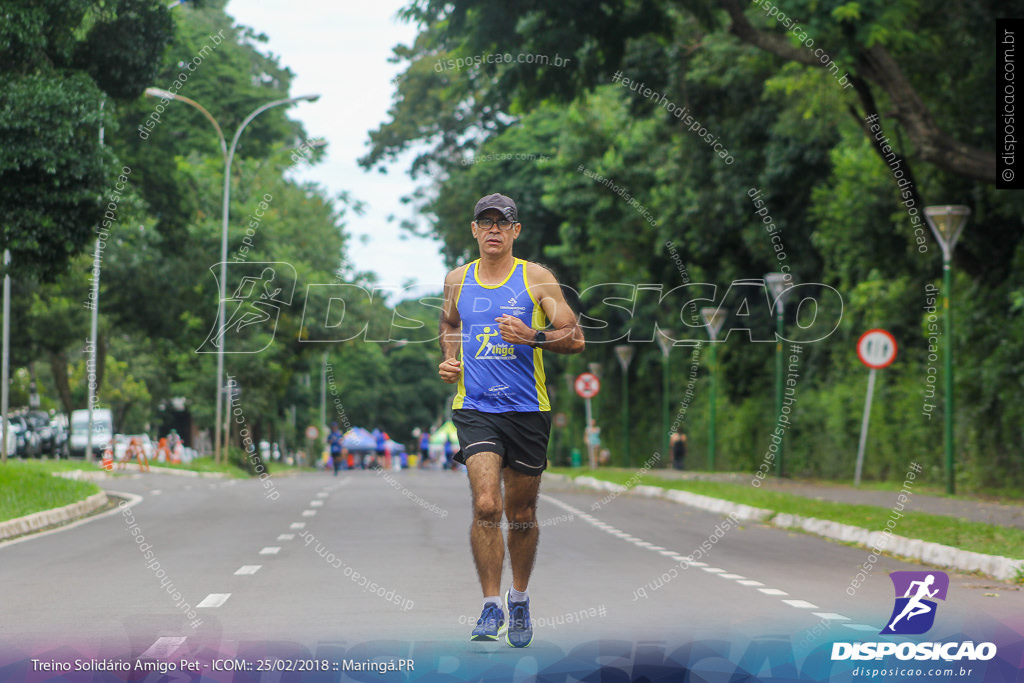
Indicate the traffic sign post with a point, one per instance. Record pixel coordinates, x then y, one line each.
587 385
876 349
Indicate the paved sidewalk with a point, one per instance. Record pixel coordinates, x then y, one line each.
977 510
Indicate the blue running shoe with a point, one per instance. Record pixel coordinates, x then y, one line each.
520 627
490 623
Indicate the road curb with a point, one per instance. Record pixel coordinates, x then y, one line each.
134 468
995 566
62 515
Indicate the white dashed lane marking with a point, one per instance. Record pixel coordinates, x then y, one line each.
316 503
801 604
297 525
772 591
248 569
832 616
271 550
309 513
285 537
214 600
163 648
862 627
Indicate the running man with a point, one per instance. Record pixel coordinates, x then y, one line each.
494 324
914 606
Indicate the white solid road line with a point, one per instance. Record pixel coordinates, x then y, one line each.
743 581
214 600
248 569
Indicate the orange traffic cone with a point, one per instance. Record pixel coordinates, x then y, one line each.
108 458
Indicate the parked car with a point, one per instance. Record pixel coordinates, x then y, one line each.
27 440
39 422
61 446
12 441
102 431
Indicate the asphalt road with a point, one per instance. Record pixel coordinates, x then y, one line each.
363 563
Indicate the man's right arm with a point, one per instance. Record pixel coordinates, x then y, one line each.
450 330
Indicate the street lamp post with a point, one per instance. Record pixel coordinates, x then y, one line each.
624 352
228 155
5 372
713 318
777 284
665 342
947 222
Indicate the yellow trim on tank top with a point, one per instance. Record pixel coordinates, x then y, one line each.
515 264
460 394
540 321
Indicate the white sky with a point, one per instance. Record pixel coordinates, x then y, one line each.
340 51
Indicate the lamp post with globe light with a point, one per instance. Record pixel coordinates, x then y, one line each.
624 352
778 283
665 342
947 222
713 319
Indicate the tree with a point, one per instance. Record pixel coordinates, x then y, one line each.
63 65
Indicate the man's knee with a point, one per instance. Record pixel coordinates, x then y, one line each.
522 517
487 507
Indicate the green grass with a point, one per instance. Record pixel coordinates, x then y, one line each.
959 533
27 487
208 465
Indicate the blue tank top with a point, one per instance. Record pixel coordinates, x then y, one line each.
497 376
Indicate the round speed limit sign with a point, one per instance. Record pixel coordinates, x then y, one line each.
876 349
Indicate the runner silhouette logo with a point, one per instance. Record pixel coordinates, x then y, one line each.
914 611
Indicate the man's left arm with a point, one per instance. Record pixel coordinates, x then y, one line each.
564 335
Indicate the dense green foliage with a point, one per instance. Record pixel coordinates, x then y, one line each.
158 291
796 128
732 149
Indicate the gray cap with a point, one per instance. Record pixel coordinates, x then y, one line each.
499 202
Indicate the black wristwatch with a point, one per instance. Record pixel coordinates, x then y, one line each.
539 338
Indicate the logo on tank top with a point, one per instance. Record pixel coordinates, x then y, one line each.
489 351
512 307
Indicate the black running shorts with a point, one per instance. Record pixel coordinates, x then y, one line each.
520 438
